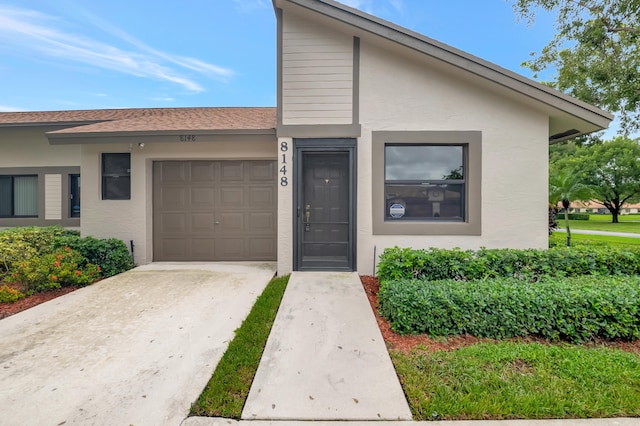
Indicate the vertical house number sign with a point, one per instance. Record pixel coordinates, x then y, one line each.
284 147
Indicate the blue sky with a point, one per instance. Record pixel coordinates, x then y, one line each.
73 54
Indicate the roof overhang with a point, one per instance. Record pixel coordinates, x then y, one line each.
160 136
568 116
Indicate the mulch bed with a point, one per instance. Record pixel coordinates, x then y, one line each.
406 343
10 308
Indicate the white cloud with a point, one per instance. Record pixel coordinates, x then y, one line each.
7 108
248 6
163 99
370 6
30 30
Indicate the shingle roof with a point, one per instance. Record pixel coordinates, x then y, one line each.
146 119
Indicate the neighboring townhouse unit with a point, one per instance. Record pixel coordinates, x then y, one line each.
598 208
381 137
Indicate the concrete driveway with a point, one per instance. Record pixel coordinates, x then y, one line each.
134 349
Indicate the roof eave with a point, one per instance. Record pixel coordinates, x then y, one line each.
74 138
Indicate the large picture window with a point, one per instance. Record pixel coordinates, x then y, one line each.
424 182
19 196
116 176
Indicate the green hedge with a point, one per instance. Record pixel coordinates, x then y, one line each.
110 254
465 265
573 216
575 309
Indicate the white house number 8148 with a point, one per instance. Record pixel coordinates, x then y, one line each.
284 147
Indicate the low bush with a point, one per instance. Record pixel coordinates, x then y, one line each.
574 309
529 264
23 243
8 294
62 267
43 258
110 254
573 216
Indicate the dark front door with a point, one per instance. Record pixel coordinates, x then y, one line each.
325 211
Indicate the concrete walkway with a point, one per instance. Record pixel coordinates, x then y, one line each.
325 358
134 349
593 232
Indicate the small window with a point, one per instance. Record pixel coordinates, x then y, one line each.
116 176
424 182
19 196
74 195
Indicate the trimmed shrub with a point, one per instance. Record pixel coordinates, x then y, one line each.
62 267
529 264
43 258
24 243
574 309
111 254
8 294
573 216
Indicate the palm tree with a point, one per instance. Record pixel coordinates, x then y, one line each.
566 186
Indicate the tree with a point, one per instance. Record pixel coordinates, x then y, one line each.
566 186
596 52
612 169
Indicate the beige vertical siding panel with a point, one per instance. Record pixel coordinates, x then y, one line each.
317 74
53 197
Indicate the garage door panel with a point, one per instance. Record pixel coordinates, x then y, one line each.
202 248
202 171
215 210
231 223
261 248
261 223
173 198
202 198
262 196
229 248
232 197
202 223
174 172
174 248
257 171
173 223
231 171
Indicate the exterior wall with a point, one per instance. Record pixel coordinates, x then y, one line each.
404 91
21 147
317 73
285 209
132 220
27 151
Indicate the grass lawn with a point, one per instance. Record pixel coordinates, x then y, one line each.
603 223
510 380
607 218
228 388
560 239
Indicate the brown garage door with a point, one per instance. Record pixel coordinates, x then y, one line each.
214 210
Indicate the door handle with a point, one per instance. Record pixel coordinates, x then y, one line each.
307 217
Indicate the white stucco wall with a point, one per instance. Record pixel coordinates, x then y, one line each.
403 90
285 208
133 219
30 148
